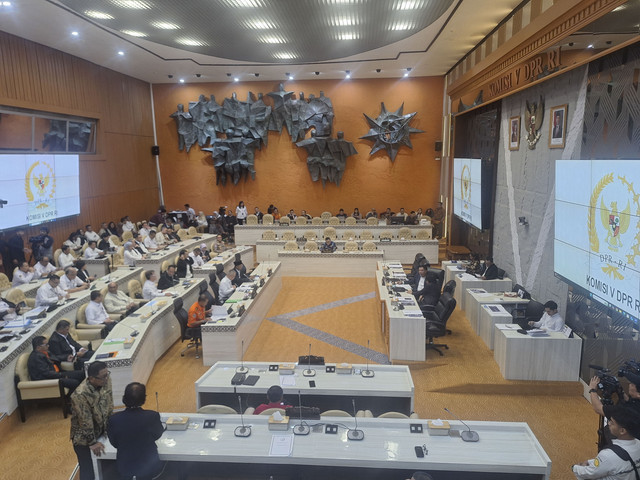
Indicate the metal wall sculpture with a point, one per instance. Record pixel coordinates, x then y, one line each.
533 118
390 131
246 126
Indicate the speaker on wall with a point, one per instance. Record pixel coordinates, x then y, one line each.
155 150
438 146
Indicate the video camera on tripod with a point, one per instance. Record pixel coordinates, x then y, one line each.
608 385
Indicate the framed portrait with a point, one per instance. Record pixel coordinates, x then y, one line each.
557 126
514 133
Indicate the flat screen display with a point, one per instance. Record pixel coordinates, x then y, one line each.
467 190
597 230
38 189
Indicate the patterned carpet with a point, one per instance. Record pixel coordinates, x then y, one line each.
337 316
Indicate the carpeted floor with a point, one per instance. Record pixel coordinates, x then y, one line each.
466 380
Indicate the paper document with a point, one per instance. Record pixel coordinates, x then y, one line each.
35 312
113 341
394 265
412 313
287 381
507 326
281 445
218 312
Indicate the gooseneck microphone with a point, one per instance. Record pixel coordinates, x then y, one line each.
134 332
242 430
355 434
367 373
466 435
309 372
302 428
242 368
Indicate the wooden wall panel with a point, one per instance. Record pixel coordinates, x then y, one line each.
121 178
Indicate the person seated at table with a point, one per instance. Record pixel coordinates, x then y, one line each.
402 214
90 235
92 251
341 215
66 258
303 213
241 273
63 348
292 215
198 312
169 278
490 270
356 214
70 282
275 399
116 302
387 214
75 242
23 274
258 213
96 313
43 268
421 476
144 229
197 260
420 286
131 255
329 246
41 367
150 242
218 244
138 244
276 213
50 292
431 291
7 312
160 236
127 224
173 236
82 272
227 287
105 242
150 289
372 213
475 266
551 320
184 266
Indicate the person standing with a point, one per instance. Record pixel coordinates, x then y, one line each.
436 219
91 407
134 432
241 213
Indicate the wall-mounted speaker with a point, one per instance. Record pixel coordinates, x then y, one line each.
438 146
155 150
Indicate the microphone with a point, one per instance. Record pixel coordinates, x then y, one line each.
157 407
134 331
302 428
242 431
309 372
466 435
242 368
367 373
355 434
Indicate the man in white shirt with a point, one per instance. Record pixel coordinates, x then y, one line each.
131 255
50 292
43 268
70 281
227 288
96 313
150 288
7 313
196 256
144 230
65 259
150 241
127 224
551 320
90 235
24 274
92 251
117 302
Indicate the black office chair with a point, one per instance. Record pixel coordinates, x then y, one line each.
450 287
310 360
501 273
416 264
203 286
532 313
436 322
220 271
520 290
439 274
193 335
215 287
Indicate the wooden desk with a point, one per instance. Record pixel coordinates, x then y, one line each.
156 333
506 451
405 334
457 252
338 264
521 357
476 297
391 389
222 339
46 326
488 320
466 280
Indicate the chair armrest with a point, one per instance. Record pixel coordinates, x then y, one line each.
87 335
249 411
66 366
414 415
32 384
430 316
85 326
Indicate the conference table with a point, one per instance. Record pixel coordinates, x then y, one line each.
490 315
223 339
404 328
157 328
21 343
465 281
477 297
390 389
402 250
506 450
155 260
554 357
452 268
226 258
337 264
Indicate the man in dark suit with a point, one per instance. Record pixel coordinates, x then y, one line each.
134 432
490 271
425 287
169 278
241 273
42 368
63 348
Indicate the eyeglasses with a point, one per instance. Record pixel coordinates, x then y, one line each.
103 377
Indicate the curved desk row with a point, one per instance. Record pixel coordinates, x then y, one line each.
338 264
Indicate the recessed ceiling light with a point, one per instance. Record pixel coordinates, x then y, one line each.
244 3
271 39
347 36
590 45
191 42
134 33
259 24
165 25
343 21
98 15
6 4
134 4
284 55
401 26
182 80
120 53
74 33
409 4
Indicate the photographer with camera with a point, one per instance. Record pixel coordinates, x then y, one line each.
608 385
42 245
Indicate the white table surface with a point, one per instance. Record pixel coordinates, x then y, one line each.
488 320
338 264
387 444
154 260
466 280
476 297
